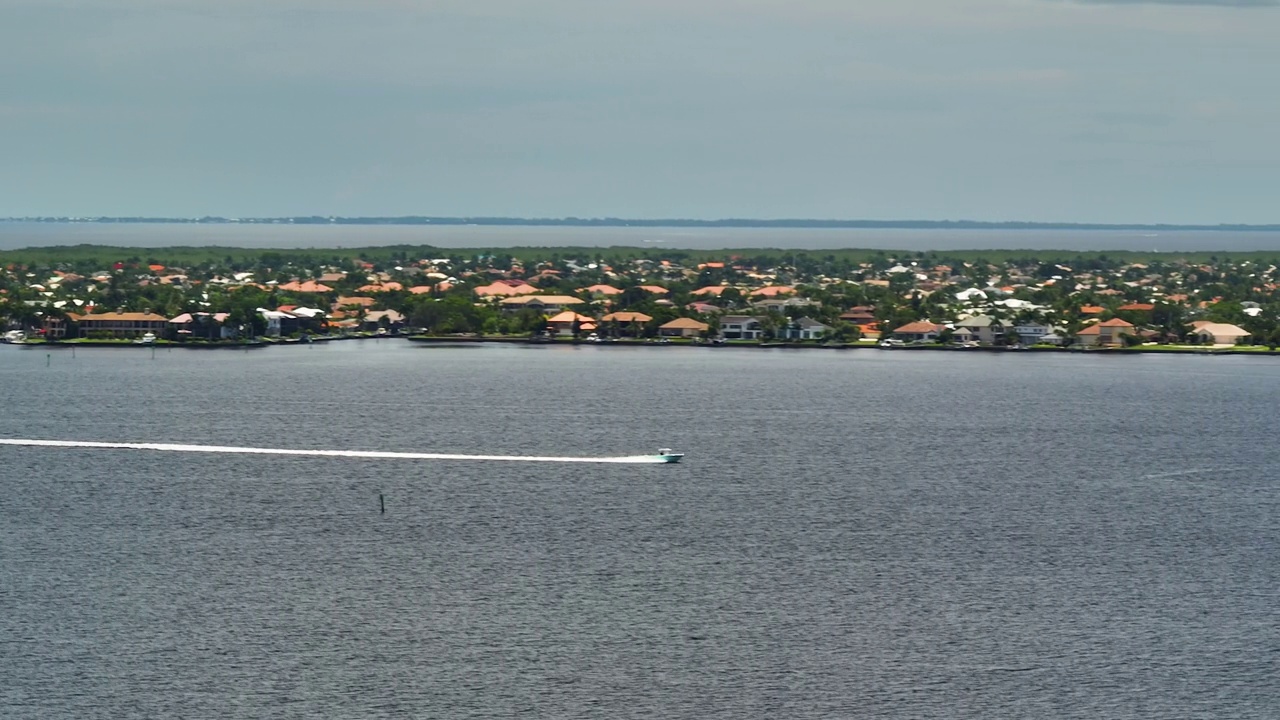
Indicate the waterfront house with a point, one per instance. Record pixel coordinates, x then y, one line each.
919 331
391 320
986 329
563 323
629 323
741 327
683 327
121 324
1218 333
1031 333
804 329
1108 333
201 326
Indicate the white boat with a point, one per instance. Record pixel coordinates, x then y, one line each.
665 455
146 339
14 337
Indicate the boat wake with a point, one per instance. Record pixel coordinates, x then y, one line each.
379 454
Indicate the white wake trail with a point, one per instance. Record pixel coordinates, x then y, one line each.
382 454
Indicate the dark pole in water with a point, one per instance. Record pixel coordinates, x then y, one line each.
382 504
48 358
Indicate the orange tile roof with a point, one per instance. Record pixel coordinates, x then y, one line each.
710 290
1138 307
569 316
310 286
919 327
773 291
1091 309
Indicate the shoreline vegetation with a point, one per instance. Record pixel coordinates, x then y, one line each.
969 300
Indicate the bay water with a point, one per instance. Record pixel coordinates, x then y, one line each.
861 533
15 235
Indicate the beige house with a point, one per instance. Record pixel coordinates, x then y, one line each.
541 303
562 323
122 324
683 327
1218 333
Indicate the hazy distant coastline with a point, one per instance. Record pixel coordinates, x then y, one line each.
656 223
15 235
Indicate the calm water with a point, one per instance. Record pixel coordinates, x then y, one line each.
853 534
20 235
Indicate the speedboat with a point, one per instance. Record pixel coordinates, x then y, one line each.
665 455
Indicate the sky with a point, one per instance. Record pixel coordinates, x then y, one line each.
1039 110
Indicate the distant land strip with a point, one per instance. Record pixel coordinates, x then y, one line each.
661 222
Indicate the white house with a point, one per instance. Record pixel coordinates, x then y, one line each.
741 327
1031 333
804 329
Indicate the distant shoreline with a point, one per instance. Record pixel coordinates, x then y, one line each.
428 340
788 223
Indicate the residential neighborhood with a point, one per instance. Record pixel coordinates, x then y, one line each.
907 299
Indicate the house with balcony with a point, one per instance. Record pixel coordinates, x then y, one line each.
741 327
1108 333
121 324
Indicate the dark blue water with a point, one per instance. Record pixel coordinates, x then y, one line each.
20 235
853 534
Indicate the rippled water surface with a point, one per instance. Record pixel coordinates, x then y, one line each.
852 534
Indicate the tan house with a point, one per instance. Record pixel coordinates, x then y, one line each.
683 327
1108 333
629 323
1218 333
562 323
121 324
541 303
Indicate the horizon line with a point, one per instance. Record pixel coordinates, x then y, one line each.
573 221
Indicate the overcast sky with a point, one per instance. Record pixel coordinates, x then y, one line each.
1050 110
